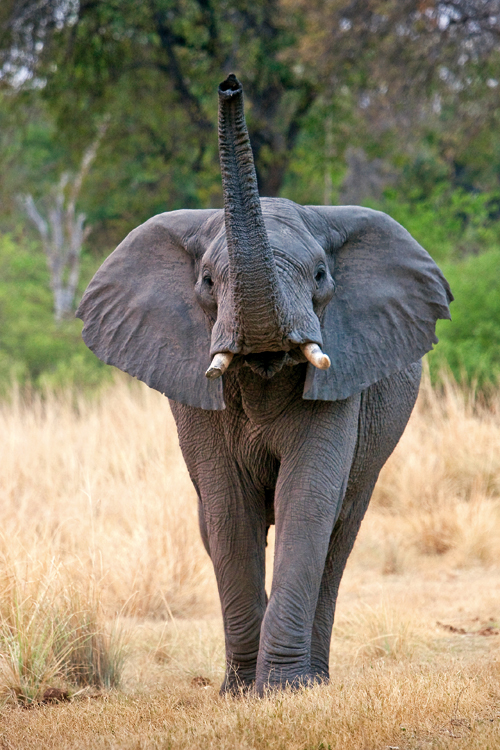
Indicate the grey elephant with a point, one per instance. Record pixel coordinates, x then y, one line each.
288 339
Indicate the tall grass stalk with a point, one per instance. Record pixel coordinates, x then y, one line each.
53 637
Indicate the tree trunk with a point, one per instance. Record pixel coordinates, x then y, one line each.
64 233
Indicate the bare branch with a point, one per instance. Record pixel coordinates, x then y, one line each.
64 234
29 205
87 159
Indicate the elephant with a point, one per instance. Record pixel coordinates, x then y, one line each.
288 340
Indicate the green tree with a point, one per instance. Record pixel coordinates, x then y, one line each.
33 348
470 344
415 83
170 54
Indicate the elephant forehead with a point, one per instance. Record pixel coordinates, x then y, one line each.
299 247
216 252
288 241
288 235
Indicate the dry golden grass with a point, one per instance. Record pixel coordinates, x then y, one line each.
97 491
54 642
409 706
439 493
101 488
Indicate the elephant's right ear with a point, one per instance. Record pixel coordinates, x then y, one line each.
140 313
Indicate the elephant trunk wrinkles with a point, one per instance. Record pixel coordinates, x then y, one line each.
260 307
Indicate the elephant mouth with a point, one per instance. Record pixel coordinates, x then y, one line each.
267 364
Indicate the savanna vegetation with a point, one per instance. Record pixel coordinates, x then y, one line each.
108 601
109 622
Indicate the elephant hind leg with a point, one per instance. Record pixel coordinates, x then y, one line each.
385 409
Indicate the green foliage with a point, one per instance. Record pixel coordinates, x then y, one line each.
154 68
470 344
461 231
314 159
31 157
32 348
449 223
318 79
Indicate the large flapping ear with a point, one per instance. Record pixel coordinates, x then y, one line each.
389 294
140 311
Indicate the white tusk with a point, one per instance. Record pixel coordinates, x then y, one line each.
219 365
316 357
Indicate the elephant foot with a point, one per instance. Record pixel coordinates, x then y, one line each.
320 675
237 688
295 683
237 685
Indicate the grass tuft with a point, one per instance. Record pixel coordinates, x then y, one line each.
380 632
53 639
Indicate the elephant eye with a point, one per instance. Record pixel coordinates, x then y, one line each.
320 275
207 279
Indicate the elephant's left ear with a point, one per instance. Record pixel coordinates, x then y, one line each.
140 311
389 294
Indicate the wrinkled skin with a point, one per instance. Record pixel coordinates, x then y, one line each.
308 466
273 440
273 457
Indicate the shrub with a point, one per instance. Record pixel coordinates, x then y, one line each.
32 347
470 345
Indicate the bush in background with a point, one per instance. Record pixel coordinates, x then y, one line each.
461 231
33 349
470 345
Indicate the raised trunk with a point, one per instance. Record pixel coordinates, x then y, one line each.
260 307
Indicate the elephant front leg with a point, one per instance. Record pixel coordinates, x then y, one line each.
385 409
234 526
310 487
232 518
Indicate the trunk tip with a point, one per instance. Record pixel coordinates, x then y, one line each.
230 87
